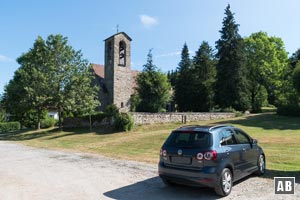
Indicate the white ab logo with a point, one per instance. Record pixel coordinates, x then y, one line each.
288 186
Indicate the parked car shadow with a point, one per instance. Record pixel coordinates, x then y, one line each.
154 188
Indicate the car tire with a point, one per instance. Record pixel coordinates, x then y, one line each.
261 165
225 183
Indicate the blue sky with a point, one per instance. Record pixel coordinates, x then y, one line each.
163 25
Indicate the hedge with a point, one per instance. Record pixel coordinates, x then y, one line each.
97 117
289 110
9 127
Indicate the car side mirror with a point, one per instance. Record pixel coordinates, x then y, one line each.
254 141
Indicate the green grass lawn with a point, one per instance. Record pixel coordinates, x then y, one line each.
279 136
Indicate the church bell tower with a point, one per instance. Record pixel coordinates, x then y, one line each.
118 71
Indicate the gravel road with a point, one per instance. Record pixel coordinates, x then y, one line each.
36 174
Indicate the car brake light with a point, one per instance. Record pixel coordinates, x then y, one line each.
210 155
163 153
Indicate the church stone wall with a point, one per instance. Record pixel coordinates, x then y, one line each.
151 118
155 118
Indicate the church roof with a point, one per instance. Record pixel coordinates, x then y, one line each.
99 71
118 34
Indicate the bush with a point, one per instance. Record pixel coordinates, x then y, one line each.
123 122
97 117
289 110
111 110
2 115
9 127
48 122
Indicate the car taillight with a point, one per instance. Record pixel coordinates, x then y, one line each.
199 156
209 155
163 152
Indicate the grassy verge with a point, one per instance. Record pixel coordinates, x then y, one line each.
279 136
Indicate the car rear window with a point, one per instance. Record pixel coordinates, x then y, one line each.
189 139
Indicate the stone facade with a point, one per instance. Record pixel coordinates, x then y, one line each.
154 118
118 71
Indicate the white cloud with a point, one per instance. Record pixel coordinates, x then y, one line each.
171 54
5 59
148 21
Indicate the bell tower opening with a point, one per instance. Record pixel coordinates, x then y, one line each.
122 53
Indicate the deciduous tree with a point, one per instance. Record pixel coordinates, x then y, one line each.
53 74
266 61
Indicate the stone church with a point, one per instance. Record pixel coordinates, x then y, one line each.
116 79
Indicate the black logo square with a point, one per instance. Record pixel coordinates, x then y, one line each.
284 185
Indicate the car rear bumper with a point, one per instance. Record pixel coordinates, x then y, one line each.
206 177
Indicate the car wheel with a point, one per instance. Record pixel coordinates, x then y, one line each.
261 165
225 183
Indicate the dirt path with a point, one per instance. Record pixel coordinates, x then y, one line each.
37 174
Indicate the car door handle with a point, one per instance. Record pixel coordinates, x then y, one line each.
244 149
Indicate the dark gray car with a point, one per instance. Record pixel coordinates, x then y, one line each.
213 156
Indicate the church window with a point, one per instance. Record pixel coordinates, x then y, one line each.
122 53
122 105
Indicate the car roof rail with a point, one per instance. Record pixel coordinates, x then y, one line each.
219 126
187 126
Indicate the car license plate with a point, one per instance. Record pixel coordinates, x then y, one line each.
181 160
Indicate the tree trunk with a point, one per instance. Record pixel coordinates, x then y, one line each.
38 124
90 117
60 117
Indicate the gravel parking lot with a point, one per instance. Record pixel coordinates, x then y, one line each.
32 174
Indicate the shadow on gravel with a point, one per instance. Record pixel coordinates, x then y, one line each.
153 188
275 173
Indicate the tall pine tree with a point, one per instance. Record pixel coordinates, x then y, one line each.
204 72
231 85
153 88
183 97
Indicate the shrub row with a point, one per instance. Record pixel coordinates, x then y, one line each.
9 127
289 110
97 117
